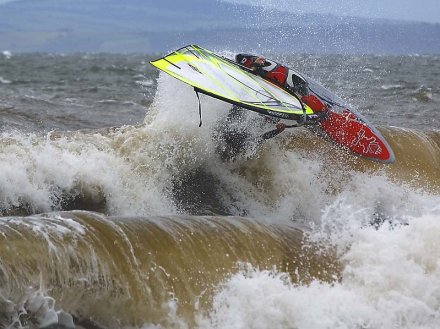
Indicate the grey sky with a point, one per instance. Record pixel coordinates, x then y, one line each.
414 10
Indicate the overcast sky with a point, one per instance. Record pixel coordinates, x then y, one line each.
415 10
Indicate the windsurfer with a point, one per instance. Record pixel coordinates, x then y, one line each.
290 96
283 77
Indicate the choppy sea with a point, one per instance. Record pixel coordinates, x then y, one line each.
118 211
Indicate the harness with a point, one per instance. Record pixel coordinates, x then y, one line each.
273 72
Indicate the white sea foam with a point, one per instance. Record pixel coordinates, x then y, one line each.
390 87
39 172
132 168
281 193
390 276
391 279
4 81
7 54
145 83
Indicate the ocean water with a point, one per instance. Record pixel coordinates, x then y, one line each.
118 211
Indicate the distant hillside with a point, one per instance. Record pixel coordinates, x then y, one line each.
151 26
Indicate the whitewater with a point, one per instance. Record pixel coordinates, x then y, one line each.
118 211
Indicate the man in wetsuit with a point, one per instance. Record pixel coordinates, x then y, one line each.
283 77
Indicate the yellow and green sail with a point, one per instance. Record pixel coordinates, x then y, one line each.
221 78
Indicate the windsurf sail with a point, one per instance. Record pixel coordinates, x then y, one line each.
226 80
